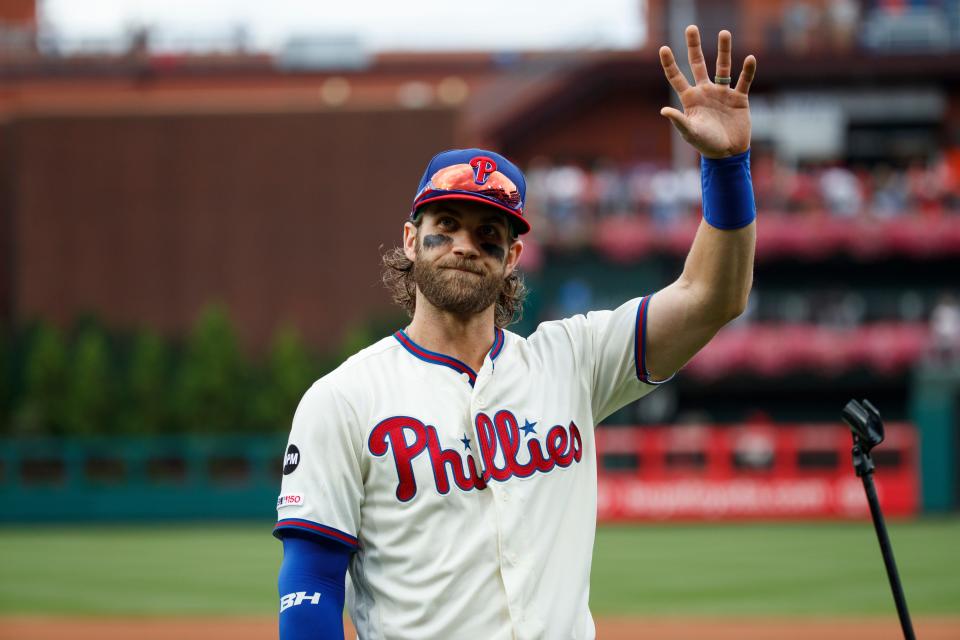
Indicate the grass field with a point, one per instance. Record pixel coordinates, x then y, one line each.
828 569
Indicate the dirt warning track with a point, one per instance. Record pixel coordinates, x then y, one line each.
41 628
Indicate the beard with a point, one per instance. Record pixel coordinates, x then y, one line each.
457 292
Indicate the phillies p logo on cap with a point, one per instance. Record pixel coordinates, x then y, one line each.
482 167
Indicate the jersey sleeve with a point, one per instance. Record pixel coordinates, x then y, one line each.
613 355
322 486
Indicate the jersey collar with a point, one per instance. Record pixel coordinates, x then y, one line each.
449 361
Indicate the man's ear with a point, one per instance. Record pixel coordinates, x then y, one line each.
513 256
410 240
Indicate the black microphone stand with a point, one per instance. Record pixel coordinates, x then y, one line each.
867 429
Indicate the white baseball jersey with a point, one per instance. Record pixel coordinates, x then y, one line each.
469 497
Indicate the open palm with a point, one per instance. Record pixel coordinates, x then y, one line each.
715 117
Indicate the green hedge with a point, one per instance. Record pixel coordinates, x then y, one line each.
90 380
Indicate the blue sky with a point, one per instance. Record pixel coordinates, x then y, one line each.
380 24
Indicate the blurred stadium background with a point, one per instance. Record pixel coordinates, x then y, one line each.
190 233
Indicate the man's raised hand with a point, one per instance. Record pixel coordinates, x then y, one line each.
715 117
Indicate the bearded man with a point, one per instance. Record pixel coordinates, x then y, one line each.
451 467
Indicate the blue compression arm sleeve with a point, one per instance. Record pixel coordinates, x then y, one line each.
727 191
311 585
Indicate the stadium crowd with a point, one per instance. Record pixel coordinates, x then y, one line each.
625 212
568 199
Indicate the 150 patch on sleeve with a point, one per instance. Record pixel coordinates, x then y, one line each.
290 500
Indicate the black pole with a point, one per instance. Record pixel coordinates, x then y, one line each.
867 429
888 559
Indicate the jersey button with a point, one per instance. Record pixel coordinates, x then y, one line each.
480 400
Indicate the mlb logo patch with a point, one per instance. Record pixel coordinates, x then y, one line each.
290 500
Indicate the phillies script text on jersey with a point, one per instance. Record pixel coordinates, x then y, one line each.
502 432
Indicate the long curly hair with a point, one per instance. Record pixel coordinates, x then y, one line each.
398 279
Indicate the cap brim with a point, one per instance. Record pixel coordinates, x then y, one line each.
519 222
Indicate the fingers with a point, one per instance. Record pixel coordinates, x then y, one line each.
695 55
746 76
699 66
670 69
678 119
724 45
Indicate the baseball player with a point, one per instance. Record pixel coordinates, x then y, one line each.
451 468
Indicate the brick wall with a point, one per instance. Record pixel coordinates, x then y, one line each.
145 219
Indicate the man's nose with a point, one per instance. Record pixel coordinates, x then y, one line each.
465 246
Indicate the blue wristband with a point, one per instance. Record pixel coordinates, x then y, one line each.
727 191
